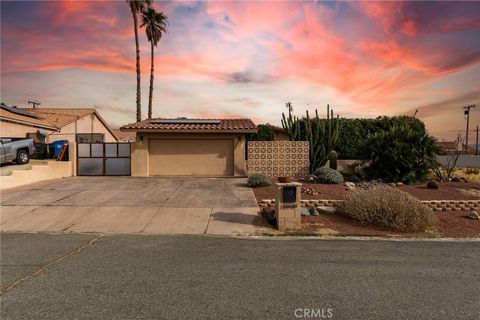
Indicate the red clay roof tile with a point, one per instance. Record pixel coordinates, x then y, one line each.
214 125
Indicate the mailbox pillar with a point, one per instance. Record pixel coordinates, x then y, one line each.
288 206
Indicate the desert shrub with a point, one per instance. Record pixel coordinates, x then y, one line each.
327 175
258 180
401 154
387 207
432 184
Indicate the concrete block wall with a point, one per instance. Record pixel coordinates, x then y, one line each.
278 158
435 205
53 170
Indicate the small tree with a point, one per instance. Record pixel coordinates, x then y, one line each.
264 133
445 171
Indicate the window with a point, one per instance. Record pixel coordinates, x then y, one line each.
90 137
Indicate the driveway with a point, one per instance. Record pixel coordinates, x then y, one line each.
150 205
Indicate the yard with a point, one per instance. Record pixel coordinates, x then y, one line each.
453 224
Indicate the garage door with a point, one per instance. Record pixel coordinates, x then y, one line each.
190 157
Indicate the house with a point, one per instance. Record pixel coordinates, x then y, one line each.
447 147
72 124
189 147
124 136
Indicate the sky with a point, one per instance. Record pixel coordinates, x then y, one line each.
247 59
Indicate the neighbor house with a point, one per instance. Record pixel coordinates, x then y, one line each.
189 147
72 124
125 136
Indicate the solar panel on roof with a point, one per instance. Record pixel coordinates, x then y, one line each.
185 121
19 111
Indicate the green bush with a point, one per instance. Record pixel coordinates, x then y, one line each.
327 175
264 132
354 133
258 180
400 154
388 207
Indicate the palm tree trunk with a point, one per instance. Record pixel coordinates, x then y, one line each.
151 82
137 47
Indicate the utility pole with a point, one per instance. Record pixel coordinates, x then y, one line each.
467 116
476 143
35 103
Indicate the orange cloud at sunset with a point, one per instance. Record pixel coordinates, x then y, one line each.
248 58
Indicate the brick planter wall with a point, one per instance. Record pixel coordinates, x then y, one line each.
435 205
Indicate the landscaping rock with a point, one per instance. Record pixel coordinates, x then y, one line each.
399 184
310 191
313 212
350 184
326 210
354 178
369 184
432 184
304 211
392 184
473 216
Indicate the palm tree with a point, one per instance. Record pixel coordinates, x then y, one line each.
155 24
136 6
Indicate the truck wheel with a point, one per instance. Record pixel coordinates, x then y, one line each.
22 157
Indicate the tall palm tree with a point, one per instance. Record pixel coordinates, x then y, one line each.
155 24
136 6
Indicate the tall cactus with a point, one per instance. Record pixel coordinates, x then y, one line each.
291 125
323 135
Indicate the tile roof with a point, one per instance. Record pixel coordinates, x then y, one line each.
60 117
124 135
7 114
51 118
192 125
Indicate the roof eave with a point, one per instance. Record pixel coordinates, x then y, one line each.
31 124
214 131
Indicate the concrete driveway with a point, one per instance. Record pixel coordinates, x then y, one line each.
224 206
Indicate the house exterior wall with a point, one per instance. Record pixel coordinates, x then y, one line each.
88 124
140 153
16 130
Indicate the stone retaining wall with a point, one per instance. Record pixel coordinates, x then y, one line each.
435 205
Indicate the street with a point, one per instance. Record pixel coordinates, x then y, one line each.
85 276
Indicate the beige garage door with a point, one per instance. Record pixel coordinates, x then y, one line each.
174 157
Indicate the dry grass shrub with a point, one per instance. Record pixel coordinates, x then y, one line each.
387 207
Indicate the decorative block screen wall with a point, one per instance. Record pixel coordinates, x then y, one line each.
278 158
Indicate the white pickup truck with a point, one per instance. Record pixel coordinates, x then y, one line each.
16 150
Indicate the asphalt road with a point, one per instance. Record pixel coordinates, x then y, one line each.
203 277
